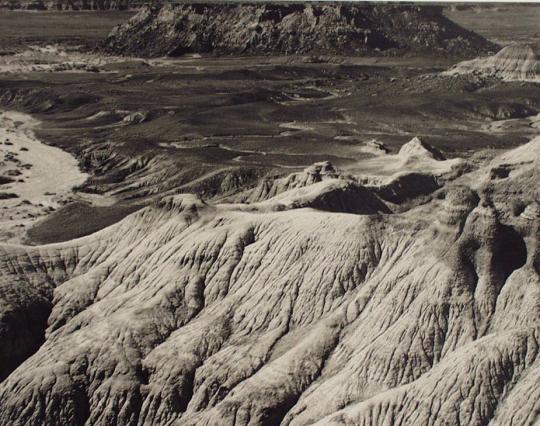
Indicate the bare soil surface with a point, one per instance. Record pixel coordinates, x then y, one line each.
214 126
39 177
319 240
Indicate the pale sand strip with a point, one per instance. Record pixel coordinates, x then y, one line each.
44 175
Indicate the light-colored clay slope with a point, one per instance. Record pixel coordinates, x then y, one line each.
417 169
514 62
196 314
527 155
415 156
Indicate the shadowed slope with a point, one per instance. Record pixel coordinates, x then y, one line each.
192 313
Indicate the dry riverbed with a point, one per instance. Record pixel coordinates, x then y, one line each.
35 179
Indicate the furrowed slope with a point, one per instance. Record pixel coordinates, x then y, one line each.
191 313
292 28
519 62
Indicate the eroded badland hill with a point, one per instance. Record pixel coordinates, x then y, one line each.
264 239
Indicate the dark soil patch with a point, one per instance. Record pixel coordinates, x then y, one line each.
77 220
7 195
5 180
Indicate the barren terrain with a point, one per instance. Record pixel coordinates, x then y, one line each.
37 178
222 123
264 238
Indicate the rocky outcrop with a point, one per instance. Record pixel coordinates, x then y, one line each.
271 186
193 313
518 62
293 28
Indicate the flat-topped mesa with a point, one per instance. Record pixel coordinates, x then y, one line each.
515 62
293 28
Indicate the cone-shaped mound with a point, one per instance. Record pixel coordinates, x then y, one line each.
417 148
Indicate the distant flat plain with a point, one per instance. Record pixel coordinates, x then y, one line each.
503 23
19 28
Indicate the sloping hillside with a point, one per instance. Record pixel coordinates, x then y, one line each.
292 28
198 314
517 62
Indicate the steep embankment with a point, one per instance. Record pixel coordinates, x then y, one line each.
191 313
518 62
292 28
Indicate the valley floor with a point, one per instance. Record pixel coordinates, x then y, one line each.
38 178
215 126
